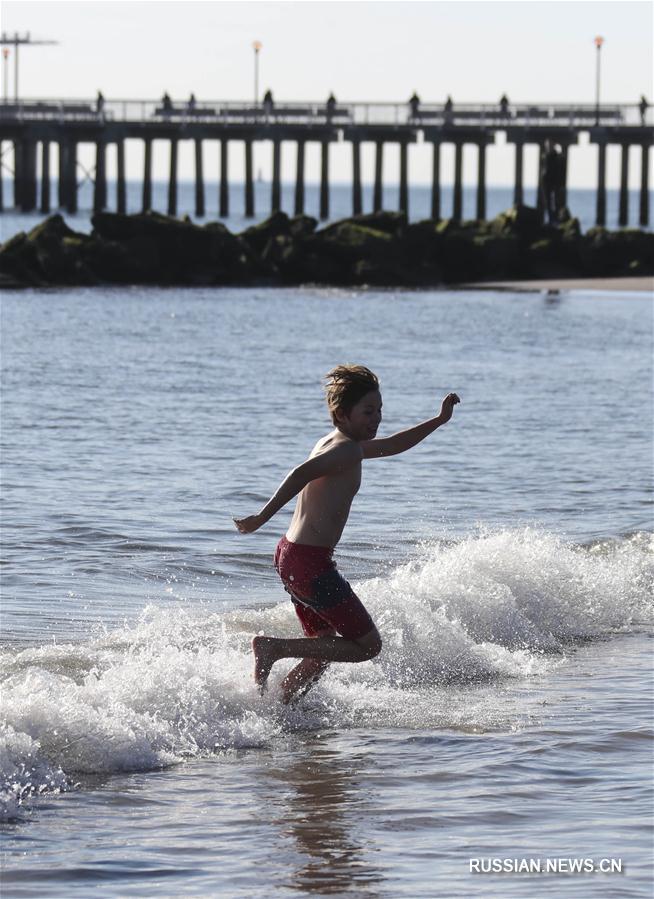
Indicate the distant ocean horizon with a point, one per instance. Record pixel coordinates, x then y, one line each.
581 202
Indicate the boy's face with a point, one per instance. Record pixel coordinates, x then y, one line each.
362 421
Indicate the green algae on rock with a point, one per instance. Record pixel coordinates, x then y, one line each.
380 249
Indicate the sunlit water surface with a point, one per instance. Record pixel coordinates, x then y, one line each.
507 561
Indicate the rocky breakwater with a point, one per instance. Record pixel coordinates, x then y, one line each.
379 249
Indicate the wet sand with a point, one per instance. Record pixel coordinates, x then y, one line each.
622 285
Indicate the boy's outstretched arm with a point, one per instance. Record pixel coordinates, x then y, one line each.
330 462
404 440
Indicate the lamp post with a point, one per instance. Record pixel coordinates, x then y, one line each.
598 43
16 41
257 45
5 74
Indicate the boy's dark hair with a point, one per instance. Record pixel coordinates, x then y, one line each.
345 385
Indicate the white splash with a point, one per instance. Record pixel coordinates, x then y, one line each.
178 684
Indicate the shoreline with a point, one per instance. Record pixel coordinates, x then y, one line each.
637 284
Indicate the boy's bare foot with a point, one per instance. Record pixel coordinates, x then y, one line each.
264 659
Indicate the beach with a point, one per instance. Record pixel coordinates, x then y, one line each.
592 285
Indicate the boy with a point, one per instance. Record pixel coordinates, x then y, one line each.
327 483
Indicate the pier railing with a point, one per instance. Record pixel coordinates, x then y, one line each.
574 115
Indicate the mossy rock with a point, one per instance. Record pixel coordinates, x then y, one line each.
172 251
53 229
379 275
605 253
460 257
349 243
499 257
48 254
522 221
551 258
393 223
379 249
120 226
19 260
446 226
302 225
258 236
278 252
421 241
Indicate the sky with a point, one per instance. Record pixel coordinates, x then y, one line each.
475 51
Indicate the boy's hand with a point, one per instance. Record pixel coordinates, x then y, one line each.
448 405
249 524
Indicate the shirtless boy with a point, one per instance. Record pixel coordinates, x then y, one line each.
337 626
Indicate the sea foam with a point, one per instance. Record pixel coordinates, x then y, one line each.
177 683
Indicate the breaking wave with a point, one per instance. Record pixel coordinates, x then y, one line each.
178 684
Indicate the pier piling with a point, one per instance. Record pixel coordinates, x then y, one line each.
540 197
298 206
199 179
324 180
223 201
518 191
61 176
457 204
276 197
147 176
26 175
68 165
564 179
121 192
643 217
249 187
436 182
623 212
481 181
404 181
100 185
172 181
600 213
357 205
18 165
377 200
45 176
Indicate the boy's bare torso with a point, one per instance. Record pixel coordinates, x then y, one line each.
323 506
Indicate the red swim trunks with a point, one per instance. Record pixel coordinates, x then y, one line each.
324 601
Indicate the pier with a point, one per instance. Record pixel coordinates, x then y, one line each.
30 127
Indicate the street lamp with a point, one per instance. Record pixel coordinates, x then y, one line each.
257 45
17 41
598 43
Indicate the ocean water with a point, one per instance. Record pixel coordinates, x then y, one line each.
581 202
508 562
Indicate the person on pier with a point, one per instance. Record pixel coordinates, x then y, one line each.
414 106
331 106
448 110
643 106
268 103
504 106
